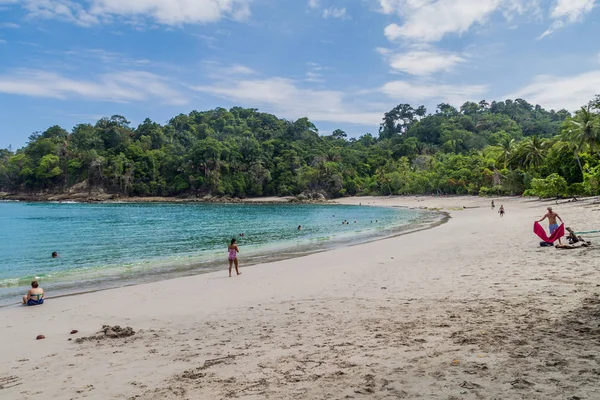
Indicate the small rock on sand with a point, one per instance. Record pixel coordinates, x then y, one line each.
40 337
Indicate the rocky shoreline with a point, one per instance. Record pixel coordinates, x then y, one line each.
102 197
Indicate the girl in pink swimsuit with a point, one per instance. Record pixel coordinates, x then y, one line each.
233 250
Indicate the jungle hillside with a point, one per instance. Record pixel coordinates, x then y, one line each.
501 148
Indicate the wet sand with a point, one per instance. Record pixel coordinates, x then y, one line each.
471 309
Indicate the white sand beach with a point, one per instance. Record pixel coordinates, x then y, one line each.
471 309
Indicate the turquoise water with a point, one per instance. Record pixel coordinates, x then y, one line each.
108 245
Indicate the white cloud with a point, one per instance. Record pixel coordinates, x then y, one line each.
569 92
314 77
422 62
219 71
568 12
283 97
314 3
572 10
431 20
169 12
239 70
427 92
124 86
333 12
9 25
60 9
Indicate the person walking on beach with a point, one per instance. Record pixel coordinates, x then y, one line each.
493 205
35 295
233 250
501 212
552 217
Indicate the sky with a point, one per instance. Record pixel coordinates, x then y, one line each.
341 63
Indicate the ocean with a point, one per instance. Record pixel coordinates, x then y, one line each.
110 245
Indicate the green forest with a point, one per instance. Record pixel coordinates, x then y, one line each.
499 148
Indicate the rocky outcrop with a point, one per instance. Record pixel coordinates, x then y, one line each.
312 196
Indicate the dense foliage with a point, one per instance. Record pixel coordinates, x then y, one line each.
507 147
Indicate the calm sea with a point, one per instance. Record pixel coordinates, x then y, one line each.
109 245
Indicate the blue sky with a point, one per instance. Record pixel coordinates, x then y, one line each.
342 63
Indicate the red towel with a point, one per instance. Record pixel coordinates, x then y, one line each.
541 232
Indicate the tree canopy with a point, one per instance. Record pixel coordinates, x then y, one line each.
506 147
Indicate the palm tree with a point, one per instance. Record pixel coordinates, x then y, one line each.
503 152
584 130
506 146
567 141
533 152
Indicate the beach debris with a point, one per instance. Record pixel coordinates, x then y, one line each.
111 332
455 362
383 288
74 331
40 337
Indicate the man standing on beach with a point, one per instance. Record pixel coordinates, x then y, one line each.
552 217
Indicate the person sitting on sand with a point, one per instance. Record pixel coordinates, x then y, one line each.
35 295
233 250
552 217
572 237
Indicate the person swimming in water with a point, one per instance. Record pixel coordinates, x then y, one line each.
35 295
54 254
233 250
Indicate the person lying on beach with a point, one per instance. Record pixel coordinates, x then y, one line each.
35 295
570 246
233 250
573 239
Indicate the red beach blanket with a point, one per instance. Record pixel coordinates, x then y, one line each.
541 232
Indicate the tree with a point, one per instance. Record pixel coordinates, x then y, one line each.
532 152
584 130
398 120
552 186
485 148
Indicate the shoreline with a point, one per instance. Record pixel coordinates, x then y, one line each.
471 309
116 198
257 259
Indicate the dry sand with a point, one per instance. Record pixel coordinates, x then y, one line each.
472 309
